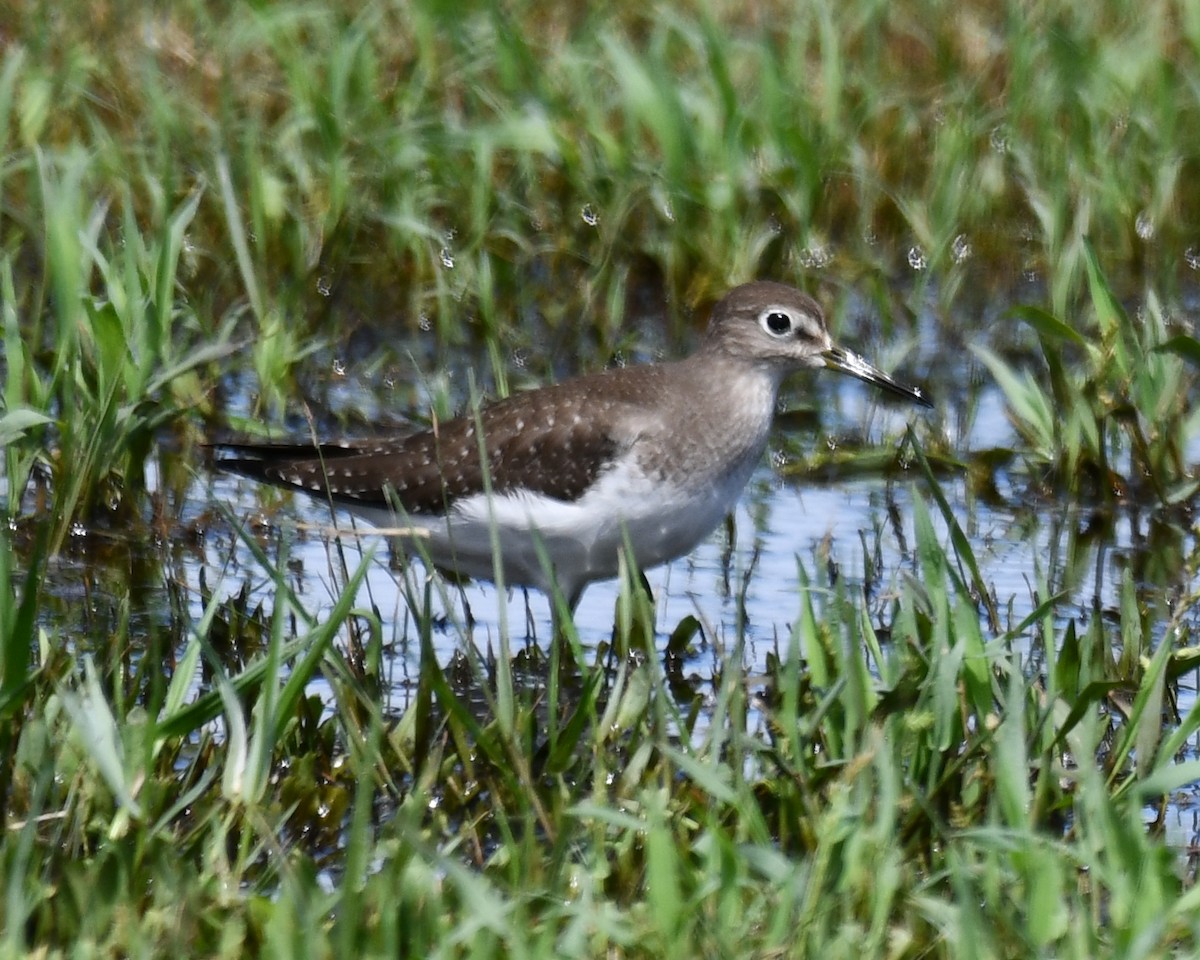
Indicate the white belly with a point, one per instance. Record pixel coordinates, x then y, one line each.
581 539
671 487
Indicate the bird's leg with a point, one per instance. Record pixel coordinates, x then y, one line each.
645 584
562 615
565 653
633 627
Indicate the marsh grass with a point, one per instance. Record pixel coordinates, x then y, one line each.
893 787
96 376
205 195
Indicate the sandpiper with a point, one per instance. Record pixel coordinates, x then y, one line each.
565 476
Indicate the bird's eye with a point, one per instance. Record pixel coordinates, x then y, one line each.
777 323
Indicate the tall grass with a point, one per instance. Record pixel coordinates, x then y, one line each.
709 145
204 192
291 161
921 795
99 352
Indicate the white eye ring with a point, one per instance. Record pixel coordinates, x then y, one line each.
776 322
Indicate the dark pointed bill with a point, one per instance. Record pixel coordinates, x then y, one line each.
847 361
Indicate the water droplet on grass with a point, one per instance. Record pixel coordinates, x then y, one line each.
590 217
816 257
323 286
446 257
961 250
1191 256
339 367
1144 226
916 258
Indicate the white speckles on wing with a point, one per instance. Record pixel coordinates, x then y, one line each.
657 453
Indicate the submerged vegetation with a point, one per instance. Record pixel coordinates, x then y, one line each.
207 208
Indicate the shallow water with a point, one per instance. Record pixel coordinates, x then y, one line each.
745 591
860 527
778 524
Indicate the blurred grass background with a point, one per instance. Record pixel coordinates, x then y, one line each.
572 150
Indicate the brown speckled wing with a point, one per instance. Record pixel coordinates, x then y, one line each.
552 441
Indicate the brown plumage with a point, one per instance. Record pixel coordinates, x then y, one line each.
657 453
